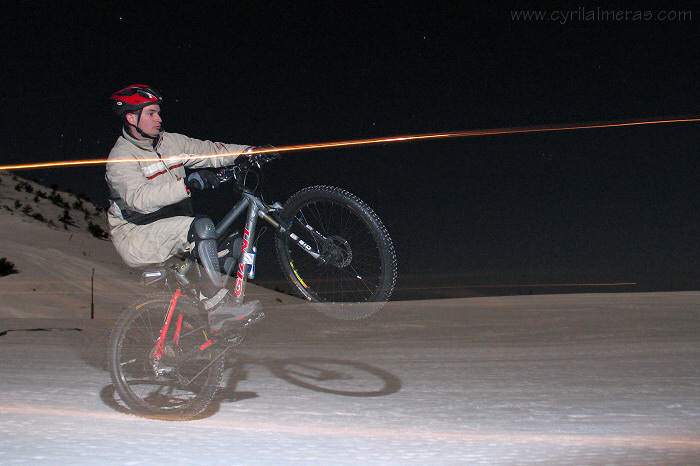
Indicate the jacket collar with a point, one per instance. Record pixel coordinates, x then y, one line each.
144 144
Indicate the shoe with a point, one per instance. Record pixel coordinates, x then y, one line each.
228 312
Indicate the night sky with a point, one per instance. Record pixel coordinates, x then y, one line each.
589 206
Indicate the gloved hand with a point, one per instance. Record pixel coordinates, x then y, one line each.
262 157
271 153
201 180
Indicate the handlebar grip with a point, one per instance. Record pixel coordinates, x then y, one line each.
267 153
246 162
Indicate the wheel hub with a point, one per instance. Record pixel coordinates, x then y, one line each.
338 251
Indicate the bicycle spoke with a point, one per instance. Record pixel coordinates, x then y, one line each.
357 263
182 379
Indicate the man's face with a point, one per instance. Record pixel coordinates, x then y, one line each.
149 123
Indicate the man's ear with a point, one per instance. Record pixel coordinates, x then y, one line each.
131 118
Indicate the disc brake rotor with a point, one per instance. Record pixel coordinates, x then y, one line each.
339 251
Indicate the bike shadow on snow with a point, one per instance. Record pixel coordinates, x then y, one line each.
324 375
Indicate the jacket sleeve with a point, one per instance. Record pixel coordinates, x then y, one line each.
127 181
191 146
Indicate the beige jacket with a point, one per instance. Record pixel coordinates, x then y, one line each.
143 179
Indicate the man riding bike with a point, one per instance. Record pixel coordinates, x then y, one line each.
150 214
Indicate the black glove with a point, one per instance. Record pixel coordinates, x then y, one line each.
271 155
201 180
262 157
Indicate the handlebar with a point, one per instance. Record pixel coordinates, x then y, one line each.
247 163
263 154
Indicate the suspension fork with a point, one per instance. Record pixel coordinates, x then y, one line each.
284 231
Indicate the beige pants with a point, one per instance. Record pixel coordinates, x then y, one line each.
141 245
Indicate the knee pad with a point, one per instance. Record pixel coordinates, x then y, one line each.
202 227
203 233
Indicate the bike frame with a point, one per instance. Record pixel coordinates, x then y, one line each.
257 208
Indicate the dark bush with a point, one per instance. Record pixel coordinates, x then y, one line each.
66 219
57 199
7 267
24 186
97 231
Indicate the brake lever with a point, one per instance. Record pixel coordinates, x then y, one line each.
260 158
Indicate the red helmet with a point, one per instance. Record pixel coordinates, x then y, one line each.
133 98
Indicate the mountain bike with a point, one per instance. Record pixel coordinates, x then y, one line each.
333 249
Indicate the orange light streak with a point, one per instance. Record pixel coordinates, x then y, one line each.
360 142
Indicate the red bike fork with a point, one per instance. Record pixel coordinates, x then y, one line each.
160 346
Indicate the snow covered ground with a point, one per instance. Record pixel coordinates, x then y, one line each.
576 379
558 379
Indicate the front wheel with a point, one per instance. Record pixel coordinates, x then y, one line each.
169 373
336 252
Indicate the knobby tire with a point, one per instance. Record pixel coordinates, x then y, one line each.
360 273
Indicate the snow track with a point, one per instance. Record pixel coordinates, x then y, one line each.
576 379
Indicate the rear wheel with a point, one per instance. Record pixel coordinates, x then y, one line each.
355 272
180 383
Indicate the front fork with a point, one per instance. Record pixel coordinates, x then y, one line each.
300 242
